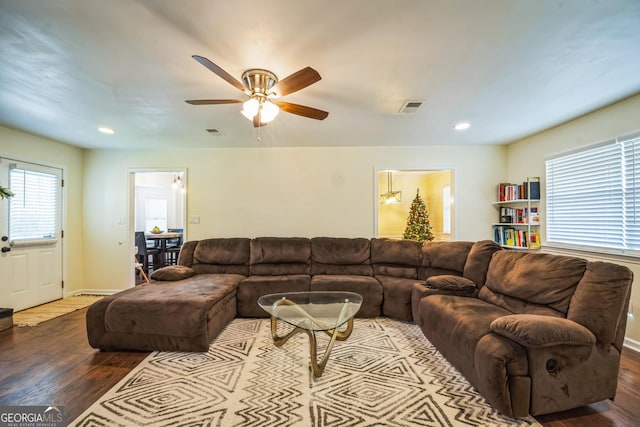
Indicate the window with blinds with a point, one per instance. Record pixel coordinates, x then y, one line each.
593 198
34 208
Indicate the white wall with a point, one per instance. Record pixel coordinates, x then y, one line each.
252 192
26 147
527 157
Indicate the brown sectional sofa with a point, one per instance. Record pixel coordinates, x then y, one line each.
534 333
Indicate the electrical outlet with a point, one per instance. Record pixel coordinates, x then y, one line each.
194 219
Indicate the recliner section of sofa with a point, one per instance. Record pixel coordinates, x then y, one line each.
544 333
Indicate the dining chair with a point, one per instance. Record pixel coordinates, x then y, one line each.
174 246
147 256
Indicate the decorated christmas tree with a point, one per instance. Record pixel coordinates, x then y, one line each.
418 225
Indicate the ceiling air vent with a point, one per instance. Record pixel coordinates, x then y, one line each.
215 132
410 107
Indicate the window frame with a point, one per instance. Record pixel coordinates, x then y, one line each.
32 169
617 177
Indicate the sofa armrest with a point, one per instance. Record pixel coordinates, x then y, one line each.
172 273
535 331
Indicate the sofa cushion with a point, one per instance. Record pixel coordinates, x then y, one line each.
179 308
516 305
477 262
443 258
341 255
455 325
369 287
532 330
172 272
253 287
223 255
185 257
539 279
396 258
396 301
280 255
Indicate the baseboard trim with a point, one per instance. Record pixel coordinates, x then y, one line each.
92 292
632 344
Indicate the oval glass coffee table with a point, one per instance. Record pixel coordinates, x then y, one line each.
313 312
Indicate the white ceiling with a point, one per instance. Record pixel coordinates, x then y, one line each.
509 67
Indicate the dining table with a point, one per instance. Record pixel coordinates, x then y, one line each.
162 239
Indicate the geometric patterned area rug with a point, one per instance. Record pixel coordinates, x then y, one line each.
42 313
385 374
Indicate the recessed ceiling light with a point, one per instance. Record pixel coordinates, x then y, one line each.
462 126
106 130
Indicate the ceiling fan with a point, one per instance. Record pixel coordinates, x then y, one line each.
262 86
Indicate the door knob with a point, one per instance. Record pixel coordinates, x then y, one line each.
4 238
6 249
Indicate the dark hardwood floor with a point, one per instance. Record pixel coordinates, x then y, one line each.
52 364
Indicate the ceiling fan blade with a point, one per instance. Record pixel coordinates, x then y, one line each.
220 72
296 81
302 110
212 101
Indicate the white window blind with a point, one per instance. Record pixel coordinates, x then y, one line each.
33 210
592 198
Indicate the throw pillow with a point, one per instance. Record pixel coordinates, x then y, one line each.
449 282
172 273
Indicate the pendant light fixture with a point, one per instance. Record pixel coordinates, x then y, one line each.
390 197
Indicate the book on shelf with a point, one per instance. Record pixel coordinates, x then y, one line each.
534 189
534 218
527 190
510 237
534 240
523 216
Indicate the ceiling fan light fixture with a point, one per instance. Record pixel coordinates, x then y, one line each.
250 108
268 111
257 105
261 85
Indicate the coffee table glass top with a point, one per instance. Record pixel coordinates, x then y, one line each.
313 311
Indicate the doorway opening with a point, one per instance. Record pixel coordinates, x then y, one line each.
157 211
395 192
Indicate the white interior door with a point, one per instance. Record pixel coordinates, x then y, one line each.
30 233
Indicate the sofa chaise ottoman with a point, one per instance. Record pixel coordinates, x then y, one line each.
183 309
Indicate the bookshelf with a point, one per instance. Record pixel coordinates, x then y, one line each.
518 214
